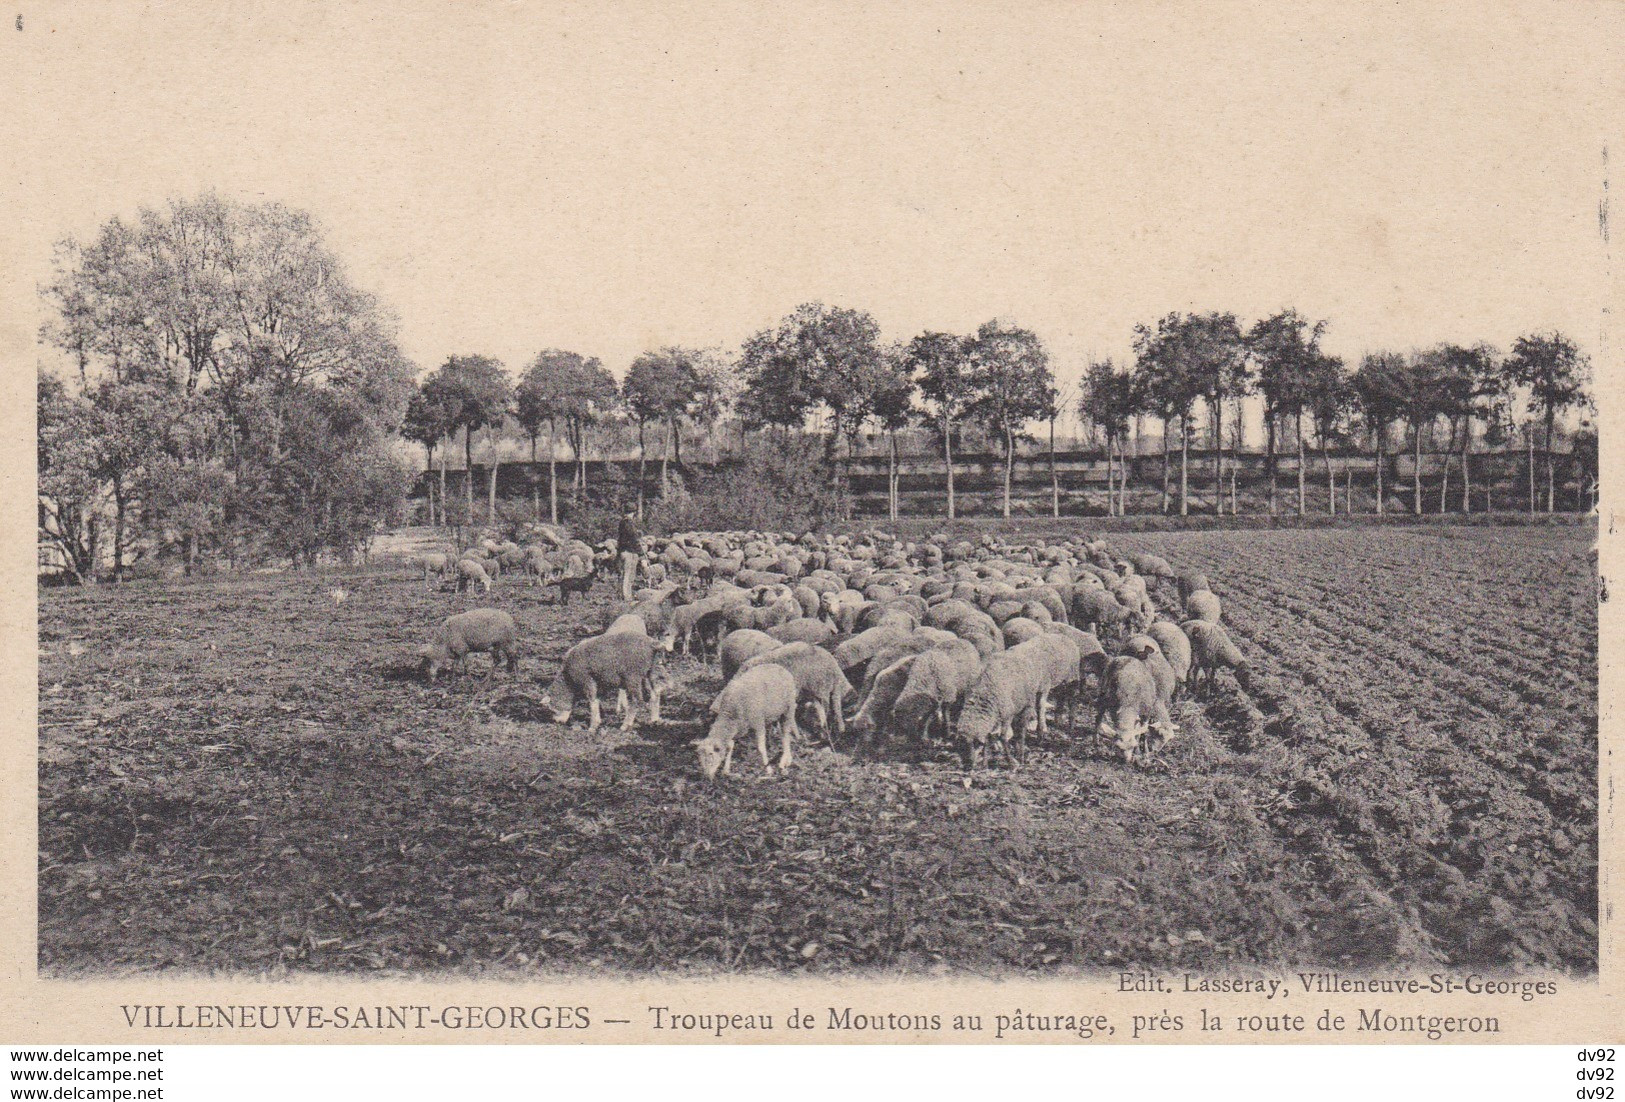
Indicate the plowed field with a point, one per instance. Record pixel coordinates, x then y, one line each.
243 775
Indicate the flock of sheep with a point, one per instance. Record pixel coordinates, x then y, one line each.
973 642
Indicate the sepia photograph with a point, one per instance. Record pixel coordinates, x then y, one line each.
1099 493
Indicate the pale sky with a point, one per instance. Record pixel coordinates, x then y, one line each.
606 178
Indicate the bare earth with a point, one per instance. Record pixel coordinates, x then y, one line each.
244 776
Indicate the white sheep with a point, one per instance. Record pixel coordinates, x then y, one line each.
819 681
625 661
477 631
751 703
1213 650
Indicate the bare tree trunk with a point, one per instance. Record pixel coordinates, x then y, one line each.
491 504
1184 462
444 518
948 462
1269 455
1009 466
1531 437
1218 456
1111 475
1551 463
535 489
1467 468
1416 475
1449 454
468 475
643 456
1054 479
552 471
891 474
1331 477
1167 445
665 458
1380 457
1298 432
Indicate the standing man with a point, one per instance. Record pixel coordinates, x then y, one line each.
629 542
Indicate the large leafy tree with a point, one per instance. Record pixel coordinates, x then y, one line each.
816 357
479 389
432 415
1107 398
234 317
1557 375
1285 348
891 403
1171 360
942 368
1014 385
663 387
1379 387
577 391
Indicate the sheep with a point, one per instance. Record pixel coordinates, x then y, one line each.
434 564
803 630
1191 581
860 648
937 681
876 710
1203 604
752 702
1091 660
1145 648
1020 629
996 706
479 630
739 647
916 642
1211 651
1176 648
625 661
1130 707
685 618
628 621
819 681
750 616
1151 566
470 571
1094 609
1059 662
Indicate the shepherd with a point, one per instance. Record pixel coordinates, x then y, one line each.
629 543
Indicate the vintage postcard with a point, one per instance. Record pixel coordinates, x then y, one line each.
962 522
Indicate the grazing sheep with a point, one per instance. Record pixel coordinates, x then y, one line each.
685 619
1203 604
937 681
819 681
739 647
1151 566
470 571
997 706
625 662
1020 629
1130 707
1211 651
434 564
1191 581
803 630
860 648
628 621
479 630
751 703
874 715
1059 664
916 642
1145 648
1176 648
1091 660
1095 610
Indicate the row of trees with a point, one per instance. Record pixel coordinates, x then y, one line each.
1208 360
230 393
820 364
827 368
